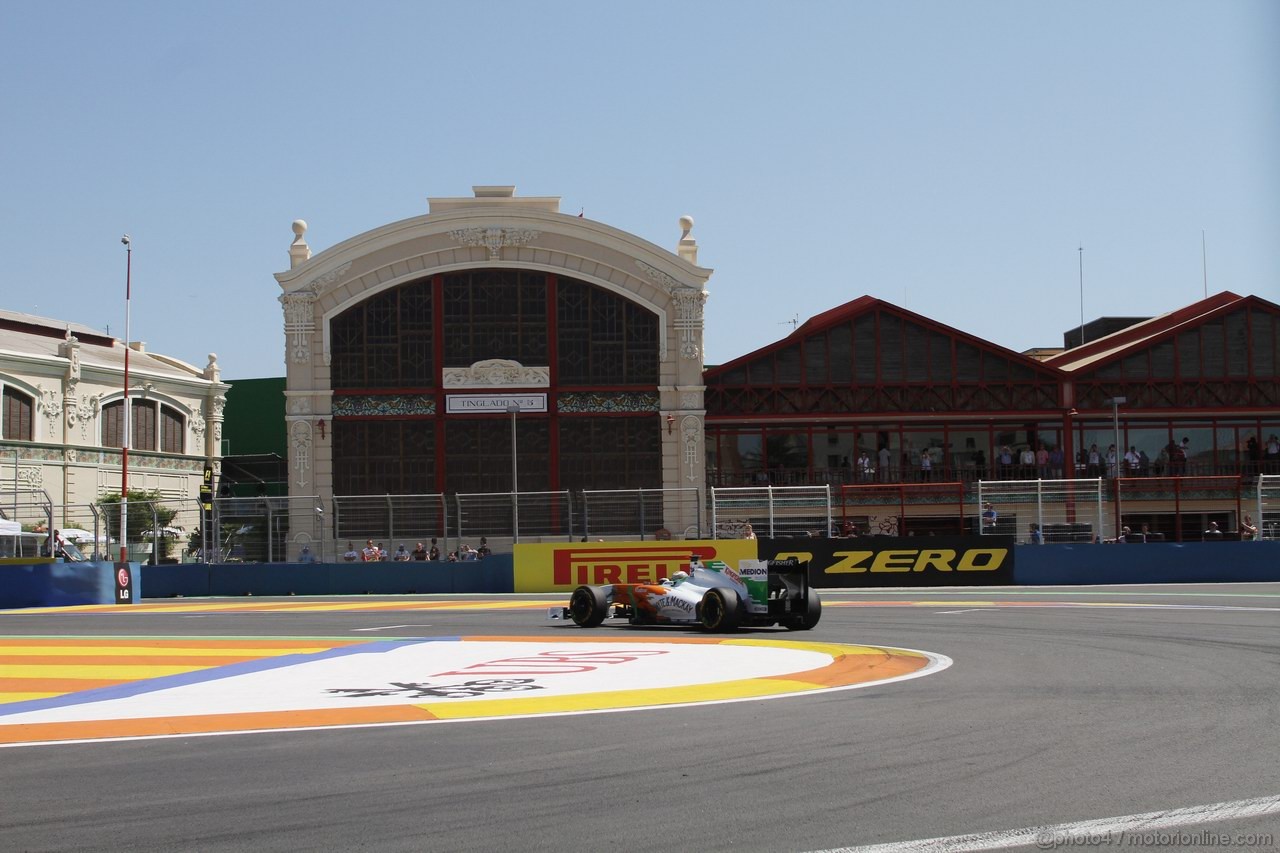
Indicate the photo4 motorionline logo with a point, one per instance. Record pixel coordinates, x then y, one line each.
1051 840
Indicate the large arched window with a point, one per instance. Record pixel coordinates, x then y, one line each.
154 426
18 423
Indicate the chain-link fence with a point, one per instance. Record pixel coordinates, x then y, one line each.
654 513
1180 509
1062 510
1268 507
390 518
773 511
901 509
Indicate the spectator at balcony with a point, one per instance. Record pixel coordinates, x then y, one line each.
1177 457
1132 462
1144 464
926 465
1042 462
383 553
1004 463
1271 456
1125 537
466 553
1057 462
1213 534
864 467
989 518
1113 462
352 555
1036 537
434 553
883 455
1095 462
748 533
1027 461
452 557
419 553
1248 531
402 554
306 556
483 551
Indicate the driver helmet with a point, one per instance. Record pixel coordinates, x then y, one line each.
679 576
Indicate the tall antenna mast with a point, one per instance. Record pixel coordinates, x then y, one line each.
1204 260
1081 250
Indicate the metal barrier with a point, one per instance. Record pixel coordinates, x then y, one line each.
928 508
267 529
390 518
512 515
772 511
1267 519
653 513
1062 510
1202 497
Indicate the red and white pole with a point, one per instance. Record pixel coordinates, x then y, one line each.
124 456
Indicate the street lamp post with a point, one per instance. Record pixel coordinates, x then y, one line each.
124 450
513 410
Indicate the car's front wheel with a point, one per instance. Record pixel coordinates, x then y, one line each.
588 607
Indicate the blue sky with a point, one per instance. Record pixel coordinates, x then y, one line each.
947 157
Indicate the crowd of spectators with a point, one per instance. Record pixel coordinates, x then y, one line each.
378 553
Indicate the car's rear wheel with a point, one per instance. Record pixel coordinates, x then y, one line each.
812 613
721 610
588 607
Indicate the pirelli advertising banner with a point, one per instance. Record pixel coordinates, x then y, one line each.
557 568
900 560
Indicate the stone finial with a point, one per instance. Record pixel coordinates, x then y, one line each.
299 251
687 248
211 370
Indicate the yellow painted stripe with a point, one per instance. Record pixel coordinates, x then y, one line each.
619 699
150 651
119 672
22 697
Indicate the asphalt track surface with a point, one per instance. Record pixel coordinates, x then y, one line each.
1106 701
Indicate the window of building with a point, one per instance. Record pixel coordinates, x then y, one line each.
154 426
18 423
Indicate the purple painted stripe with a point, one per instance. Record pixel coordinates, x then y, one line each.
166 682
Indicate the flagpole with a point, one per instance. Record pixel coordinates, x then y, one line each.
124 456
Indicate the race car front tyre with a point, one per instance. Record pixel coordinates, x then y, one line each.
587 606
721 610
812 613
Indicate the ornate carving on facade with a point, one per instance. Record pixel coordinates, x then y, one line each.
300 442
320 284
70 455
691 434
688 320
607 401
667 283
495 238
371 405
299 324
31 477
496 373
51 404
81 412
197 425
219 404
299 405
690 400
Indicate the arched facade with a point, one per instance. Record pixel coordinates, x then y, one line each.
407 348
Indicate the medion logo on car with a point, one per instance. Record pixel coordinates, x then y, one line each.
913 560
601 565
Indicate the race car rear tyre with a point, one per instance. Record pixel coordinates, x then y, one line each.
588 607
721 610
811 615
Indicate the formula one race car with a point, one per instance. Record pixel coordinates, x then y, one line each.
712 595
